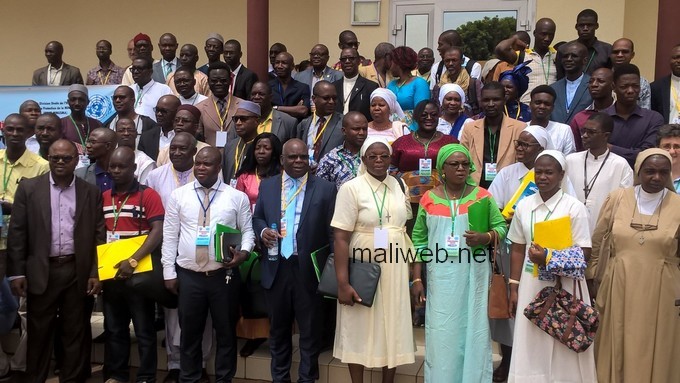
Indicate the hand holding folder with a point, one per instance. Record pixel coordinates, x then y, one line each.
525 189
109 255
226 237
553 234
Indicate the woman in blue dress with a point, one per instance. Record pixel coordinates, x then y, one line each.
410 90
516 83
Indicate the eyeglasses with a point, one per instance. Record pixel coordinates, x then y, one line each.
237 119
457 165
590 132
57 159
137 69
348 58
429 115
374 157
293 157
317 54
524 145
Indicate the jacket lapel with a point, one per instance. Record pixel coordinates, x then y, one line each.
81 199
666 96
45 204
358 86
505 139
330 131
478 142
211 111
309 194
580 91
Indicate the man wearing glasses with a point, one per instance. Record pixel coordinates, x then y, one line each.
124 104
354 91
147 91
319 69
99 146
245 121
160 136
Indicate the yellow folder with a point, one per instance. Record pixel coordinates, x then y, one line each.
554 234
109 254
525 189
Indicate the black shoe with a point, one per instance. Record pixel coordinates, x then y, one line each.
251 345
172 377
101 338
8 377
204 377
159 324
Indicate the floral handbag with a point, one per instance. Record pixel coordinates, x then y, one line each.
564 317
569 262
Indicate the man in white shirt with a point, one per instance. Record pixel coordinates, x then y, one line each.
542 104
209 285
185 83
31 109
186 120
147 91
597 171
127 136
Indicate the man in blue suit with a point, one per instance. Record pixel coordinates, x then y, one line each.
301 205
572 90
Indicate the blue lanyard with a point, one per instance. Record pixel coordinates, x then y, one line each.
206 208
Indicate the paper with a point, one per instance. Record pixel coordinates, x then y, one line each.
553 234
110 254
525 189
425 167
225 234
489 171
380 240
221 139
112 237
203 236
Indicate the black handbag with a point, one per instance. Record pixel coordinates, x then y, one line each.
253 299
151 284
363 277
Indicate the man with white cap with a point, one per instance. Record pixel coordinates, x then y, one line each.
246 120
77 126
597 171
542 104
214 46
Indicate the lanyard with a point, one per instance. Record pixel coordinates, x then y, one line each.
116 214
676 99
492 144
547 74
56 72
349 162
518 109
177 180
382 204
426 145
6 177
222 117
141 94
320 132
238 157
206 208
453 206
80 136
547 216
285 203
588 185
106 79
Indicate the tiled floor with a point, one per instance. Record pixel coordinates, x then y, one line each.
256 367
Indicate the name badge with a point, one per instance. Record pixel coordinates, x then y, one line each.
312 160
232 183
284 226
425 167
203 236
380 238
489 171
453 244
84 160
676 120
112 237
220 139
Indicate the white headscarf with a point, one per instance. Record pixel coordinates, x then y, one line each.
557 155
448 88
370 141
541 135
391 100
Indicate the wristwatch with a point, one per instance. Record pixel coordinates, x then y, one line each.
275 107
133 263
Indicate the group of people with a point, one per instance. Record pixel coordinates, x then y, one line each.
394 157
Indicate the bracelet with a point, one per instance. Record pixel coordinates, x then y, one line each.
490 237
513 281
417 280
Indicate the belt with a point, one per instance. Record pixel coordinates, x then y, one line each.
61 259
210 273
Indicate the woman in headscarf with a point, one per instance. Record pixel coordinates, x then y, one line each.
388 118
516 83
639 335
536 356
370 209
456 328
452 102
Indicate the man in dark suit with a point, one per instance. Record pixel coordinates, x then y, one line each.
358 95
572 90
287 270
244 78
662 101
322 131
288 95
153 140
282 125
162 69
124 104
318 69
57 72
56 275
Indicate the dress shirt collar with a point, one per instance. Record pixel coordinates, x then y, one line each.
218 185
111 67
98 170
53 183
134 187
287 178
146 87
675 78
238 68
374 183
552 202
352 79
591 157
23 160
173 62
577 81
612 110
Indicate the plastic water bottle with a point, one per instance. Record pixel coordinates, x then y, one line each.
273 252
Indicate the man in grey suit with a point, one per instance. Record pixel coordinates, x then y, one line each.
322 131
280 124
167 44
354 91
57 72
319 69
572 90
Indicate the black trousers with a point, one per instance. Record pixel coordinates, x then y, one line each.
199 294
61 296
289 300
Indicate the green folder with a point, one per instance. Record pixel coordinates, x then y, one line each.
324 251
232 235
478 217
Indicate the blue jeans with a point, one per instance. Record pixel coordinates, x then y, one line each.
122 304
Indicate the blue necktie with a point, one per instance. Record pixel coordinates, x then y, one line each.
287 242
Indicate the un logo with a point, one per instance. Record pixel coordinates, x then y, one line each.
100 107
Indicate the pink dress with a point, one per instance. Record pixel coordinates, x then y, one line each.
249 183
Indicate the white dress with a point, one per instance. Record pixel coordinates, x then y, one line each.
536 356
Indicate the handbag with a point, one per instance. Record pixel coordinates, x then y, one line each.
570 263
253 299
151 284
363 277
563 316
499 302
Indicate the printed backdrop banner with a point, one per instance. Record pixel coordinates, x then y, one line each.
54 99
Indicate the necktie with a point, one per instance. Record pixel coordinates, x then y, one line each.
222 105
168 69
231 86
319 134
202 251
287 242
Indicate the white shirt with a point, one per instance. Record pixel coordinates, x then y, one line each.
648 203
193 100
347 87
561 136
233 79
147 97
164 141
166 179
615 173
145 164
54 75
300 198
229 207
674 116
173 66
32 144
572 86
445 127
